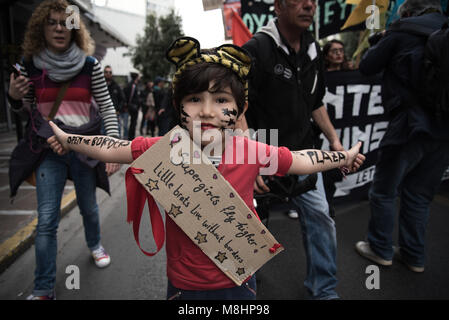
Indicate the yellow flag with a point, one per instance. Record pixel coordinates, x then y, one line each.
364 44
359 14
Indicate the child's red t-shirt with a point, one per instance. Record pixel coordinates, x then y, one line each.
188 267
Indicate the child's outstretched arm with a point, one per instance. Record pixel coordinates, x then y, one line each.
103 148
311 161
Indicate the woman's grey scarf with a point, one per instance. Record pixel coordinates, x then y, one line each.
61 67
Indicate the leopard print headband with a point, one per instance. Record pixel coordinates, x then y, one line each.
186 51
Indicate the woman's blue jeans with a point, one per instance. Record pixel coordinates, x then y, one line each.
320 241
412 171
51 177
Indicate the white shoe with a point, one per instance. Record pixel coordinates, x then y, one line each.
397 254
292 214
48 297
102 259
364 250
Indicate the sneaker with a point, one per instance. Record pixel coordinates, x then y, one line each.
292 214
397 255
364 250
102 259
48 297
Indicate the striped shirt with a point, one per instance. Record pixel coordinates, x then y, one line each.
75 109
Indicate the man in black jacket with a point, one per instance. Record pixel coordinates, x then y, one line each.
286 88
161 102
133 102
414 151
116 93
167 119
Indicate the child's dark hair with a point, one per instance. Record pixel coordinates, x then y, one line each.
226 66
197 78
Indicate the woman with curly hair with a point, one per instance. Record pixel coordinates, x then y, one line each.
58 79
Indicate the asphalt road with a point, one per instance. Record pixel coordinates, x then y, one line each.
283 277
132 275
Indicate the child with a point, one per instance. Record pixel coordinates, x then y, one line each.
209 95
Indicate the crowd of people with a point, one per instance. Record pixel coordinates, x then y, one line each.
151 100
275 81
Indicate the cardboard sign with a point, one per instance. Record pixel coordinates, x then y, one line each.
205 206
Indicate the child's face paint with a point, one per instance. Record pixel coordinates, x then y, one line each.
209 114
184 117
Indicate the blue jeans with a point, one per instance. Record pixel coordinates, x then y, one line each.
320 241
123 124
51 177
246 291
412 171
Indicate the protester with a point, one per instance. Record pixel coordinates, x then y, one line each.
286 91
148 111
205 83
166 114
414 151
133 103
58 78
124 120
334 60
334 56
159 94
115 91
150 116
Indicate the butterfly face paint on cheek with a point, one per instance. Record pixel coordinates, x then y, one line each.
232 114
229 113
184 116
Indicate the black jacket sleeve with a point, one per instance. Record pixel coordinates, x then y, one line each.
321 85
252 46
254 78
120 98
378 56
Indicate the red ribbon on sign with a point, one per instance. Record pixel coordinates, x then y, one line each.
136 196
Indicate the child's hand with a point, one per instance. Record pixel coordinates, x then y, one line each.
355 159
112 168
259 186
58 142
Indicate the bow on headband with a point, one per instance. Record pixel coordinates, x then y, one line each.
186 51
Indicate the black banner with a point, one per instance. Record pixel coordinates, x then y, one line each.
333 14
257 13
354 104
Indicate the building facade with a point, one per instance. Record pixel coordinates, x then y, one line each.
160 7
14 16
